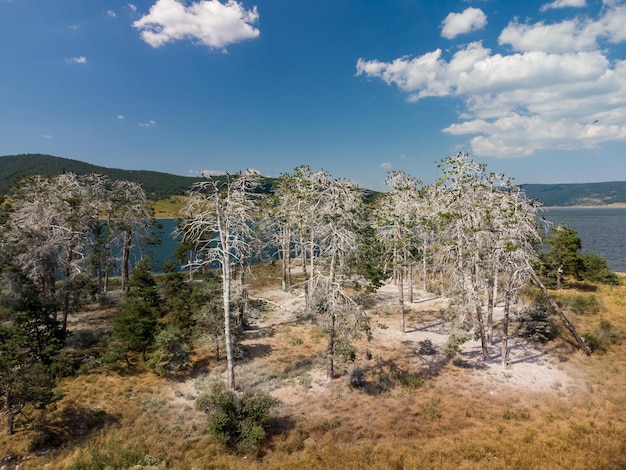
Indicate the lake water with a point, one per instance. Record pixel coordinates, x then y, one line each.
602 231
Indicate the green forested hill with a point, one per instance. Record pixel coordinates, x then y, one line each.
578 194
157 185
162 185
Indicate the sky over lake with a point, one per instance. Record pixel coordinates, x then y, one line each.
537 90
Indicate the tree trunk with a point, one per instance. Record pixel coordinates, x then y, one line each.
230 363
284 259
330 348
481 326
410 282
555 306
424 268
305 280
10 414
505 329
401 299
126 259
217 346
490 284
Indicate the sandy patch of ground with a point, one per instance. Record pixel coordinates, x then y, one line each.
291 366
529 367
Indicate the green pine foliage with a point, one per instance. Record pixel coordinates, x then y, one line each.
237 420
537 323
29 351
136 325
564 253
170 353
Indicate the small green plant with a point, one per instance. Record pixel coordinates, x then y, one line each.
427 348
357 377
536 323
237 420
296 341
581 304
603 336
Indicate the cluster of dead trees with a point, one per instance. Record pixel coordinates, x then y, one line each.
472 233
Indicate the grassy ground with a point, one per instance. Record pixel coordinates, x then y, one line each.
168 208
407 415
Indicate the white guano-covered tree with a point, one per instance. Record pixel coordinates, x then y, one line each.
339 209
49 232
399 227
129 220
218 220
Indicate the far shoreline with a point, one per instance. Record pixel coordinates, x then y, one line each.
615 205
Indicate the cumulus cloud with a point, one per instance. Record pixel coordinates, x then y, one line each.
132 7
386 165
563 4
111 13
209 22
78 60
544 94
120 116
150 123
469 20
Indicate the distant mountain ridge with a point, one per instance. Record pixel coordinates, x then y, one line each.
160 185
156 184
578 194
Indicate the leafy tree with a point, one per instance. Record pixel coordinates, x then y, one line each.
564 257
596 270
179 303
29 348
136 325
209 312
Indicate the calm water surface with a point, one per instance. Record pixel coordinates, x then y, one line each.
602 231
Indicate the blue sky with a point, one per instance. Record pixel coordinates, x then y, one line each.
536 90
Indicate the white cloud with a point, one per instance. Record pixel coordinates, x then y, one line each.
569 35
120 116
46 136
563 4
78 60
471 19
111 13
150 123
132 7
210 22
386 165
209 173
544 95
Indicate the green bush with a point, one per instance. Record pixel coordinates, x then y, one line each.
581 304
603 336
170 353
357 377
237 420
596 270
535 323
427 348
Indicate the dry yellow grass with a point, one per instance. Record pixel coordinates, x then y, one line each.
454 419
